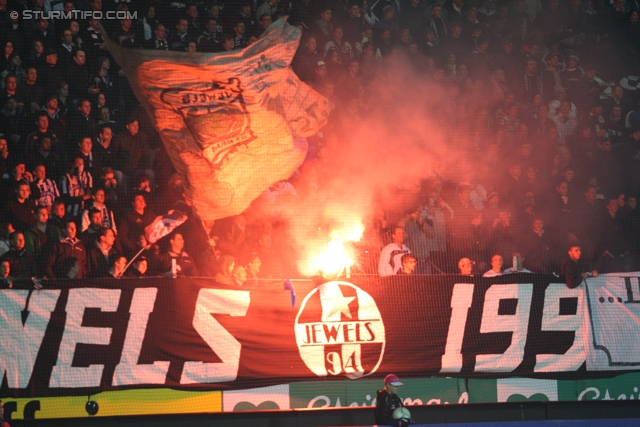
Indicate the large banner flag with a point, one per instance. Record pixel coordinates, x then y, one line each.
195 334
233 123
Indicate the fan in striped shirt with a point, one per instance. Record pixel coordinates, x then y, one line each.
75 187
44 190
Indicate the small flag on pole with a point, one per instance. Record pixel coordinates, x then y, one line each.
289 286
163 225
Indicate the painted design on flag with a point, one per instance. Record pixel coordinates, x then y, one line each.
523 389
233 123
263 398
163 225
339 331
217 116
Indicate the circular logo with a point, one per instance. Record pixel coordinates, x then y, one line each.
339 331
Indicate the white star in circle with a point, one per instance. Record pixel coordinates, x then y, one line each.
334 304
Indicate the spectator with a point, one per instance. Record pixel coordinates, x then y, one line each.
82 124
134 222
77 76
19 173
518 264
23 266
253 268
20 211
408 262
13 122
304 63
180 37
496 266
159 39
466 220
76 187
391 255
101 252
570 75
138 268
94 44
117 264
209 40
42 130
98 202
34 93
126 35
613 247
225 275
465 266
90 234
195 27
6 229
91 161
40 238
323 27
574 269
66 49
44 190
58 215
550 77
102 83
6 282
176 257
531 84
239 275
134 152
438 25
69 246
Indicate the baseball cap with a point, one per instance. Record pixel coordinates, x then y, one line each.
465 261
320 64
393 380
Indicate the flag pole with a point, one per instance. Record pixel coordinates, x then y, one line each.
133 259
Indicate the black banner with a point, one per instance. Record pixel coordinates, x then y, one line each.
194 334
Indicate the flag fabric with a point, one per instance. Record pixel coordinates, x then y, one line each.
233 123
164 225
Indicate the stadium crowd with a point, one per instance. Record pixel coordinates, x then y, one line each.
553 145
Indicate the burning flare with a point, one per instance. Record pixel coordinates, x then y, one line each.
337 257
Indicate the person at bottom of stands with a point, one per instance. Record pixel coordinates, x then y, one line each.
518 264
465 265
139 267
184 264
68 246
6 281
117 265
253 267
574 269
23 266
496 266
101 252
408 265
389 262
40 237
239 275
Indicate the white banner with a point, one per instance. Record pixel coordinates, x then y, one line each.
613 304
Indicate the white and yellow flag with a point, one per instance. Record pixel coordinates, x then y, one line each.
233 123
